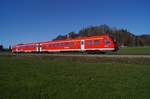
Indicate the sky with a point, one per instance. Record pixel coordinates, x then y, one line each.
25 21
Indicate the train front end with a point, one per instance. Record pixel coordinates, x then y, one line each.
114 41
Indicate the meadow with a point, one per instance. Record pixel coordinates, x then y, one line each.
52 77
134 51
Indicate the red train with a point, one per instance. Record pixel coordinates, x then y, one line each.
101 43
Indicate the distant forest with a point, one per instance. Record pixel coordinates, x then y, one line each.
122 36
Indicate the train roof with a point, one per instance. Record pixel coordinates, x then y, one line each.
78 38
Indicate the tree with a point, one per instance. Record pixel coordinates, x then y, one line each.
72 35
1 48
122 36
9 48
60 37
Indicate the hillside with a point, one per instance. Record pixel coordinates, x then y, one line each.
122 36
145 39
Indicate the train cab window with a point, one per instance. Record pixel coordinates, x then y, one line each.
96 42
106 41
90 42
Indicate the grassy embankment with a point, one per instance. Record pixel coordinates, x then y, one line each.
51 77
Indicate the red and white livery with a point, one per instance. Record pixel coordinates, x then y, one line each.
101 43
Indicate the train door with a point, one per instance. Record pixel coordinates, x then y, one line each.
40 47
82 44
16 48
37 47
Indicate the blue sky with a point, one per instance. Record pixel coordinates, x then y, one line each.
25 21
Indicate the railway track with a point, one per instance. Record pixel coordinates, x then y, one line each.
79 55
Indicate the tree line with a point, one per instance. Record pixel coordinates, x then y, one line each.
4 49
122 36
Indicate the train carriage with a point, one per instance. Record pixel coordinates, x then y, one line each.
101 43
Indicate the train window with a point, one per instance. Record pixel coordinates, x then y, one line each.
90 42
67 44
50 45
53 44
40 45
57 44
96 42
82 42
71 43
106 41
61 44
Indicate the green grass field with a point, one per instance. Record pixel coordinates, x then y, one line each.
135 51
51 77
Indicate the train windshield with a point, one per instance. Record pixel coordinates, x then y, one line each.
106 41
113 38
